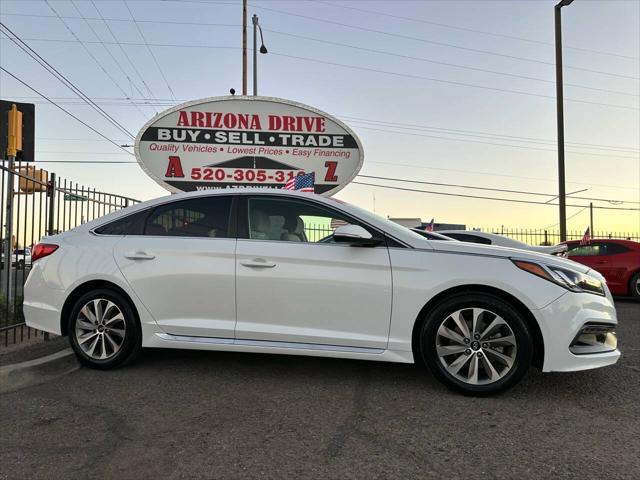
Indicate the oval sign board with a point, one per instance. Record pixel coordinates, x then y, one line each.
230 142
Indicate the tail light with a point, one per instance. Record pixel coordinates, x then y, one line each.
42 250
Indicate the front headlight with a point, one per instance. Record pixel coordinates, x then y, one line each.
569 279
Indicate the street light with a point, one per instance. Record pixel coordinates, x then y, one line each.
560 120
263 50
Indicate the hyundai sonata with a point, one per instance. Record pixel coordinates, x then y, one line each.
294 273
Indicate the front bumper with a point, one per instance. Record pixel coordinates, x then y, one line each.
562 321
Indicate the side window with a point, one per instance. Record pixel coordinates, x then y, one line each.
585 251
465 237
614 248
129 225
292 220
196 217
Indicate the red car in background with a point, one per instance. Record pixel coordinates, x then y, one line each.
617 260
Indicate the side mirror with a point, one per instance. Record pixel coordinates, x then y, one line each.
354 235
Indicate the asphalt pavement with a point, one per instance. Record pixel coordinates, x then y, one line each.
184 414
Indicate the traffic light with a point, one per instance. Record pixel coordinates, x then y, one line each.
27 138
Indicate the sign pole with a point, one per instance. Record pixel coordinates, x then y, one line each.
8 250
14 144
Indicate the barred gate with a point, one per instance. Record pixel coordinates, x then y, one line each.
552 237
42 204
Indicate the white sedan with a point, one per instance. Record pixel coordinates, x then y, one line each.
266 271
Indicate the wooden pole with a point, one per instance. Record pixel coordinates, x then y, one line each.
244 47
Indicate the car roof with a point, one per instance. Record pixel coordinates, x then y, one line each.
621 241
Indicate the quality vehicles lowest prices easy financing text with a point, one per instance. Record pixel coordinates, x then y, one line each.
268 271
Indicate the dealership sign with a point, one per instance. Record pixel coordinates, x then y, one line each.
230 142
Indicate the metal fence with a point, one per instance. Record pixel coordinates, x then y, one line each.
35 203
552 237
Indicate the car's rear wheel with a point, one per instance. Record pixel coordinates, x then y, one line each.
634 286
103 329
476 343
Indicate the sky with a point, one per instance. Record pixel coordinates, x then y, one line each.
456 92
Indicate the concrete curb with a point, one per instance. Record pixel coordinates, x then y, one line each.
33 372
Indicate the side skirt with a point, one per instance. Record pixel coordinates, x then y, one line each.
165 340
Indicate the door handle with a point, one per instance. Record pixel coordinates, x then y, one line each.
139 256
257 263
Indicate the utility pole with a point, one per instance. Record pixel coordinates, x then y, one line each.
560 120
244 47
14 144
591 219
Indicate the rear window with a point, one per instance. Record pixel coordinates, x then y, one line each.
129 225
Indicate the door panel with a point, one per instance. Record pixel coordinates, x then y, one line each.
295 284
314 293
188 284
179 258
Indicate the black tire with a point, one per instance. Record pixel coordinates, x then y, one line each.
131 345
634 288
523 351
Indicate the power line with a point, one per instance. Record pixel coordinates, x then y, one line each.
216 24
409 126
491 189
374 70
479 197
117 63
126 20
449 82
473 30
63 109
568 218
481 134
491 143
124 52
62 78
448 64
443 44
87 161
149 50
356 47
93 57
81 153
368 126
475 172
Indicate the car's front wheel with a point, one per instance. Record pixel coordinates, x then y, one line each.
634 286
103 329
476 343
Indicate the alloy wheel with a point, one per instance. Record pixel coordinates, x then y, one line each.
476 346
100 329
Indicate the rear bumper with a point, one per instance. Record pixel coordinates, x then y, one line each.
42 304
560 323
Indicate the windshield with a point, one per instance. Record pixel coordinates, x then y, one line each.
392 228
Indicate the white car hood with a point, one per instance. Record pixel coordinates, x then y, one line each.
502 252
